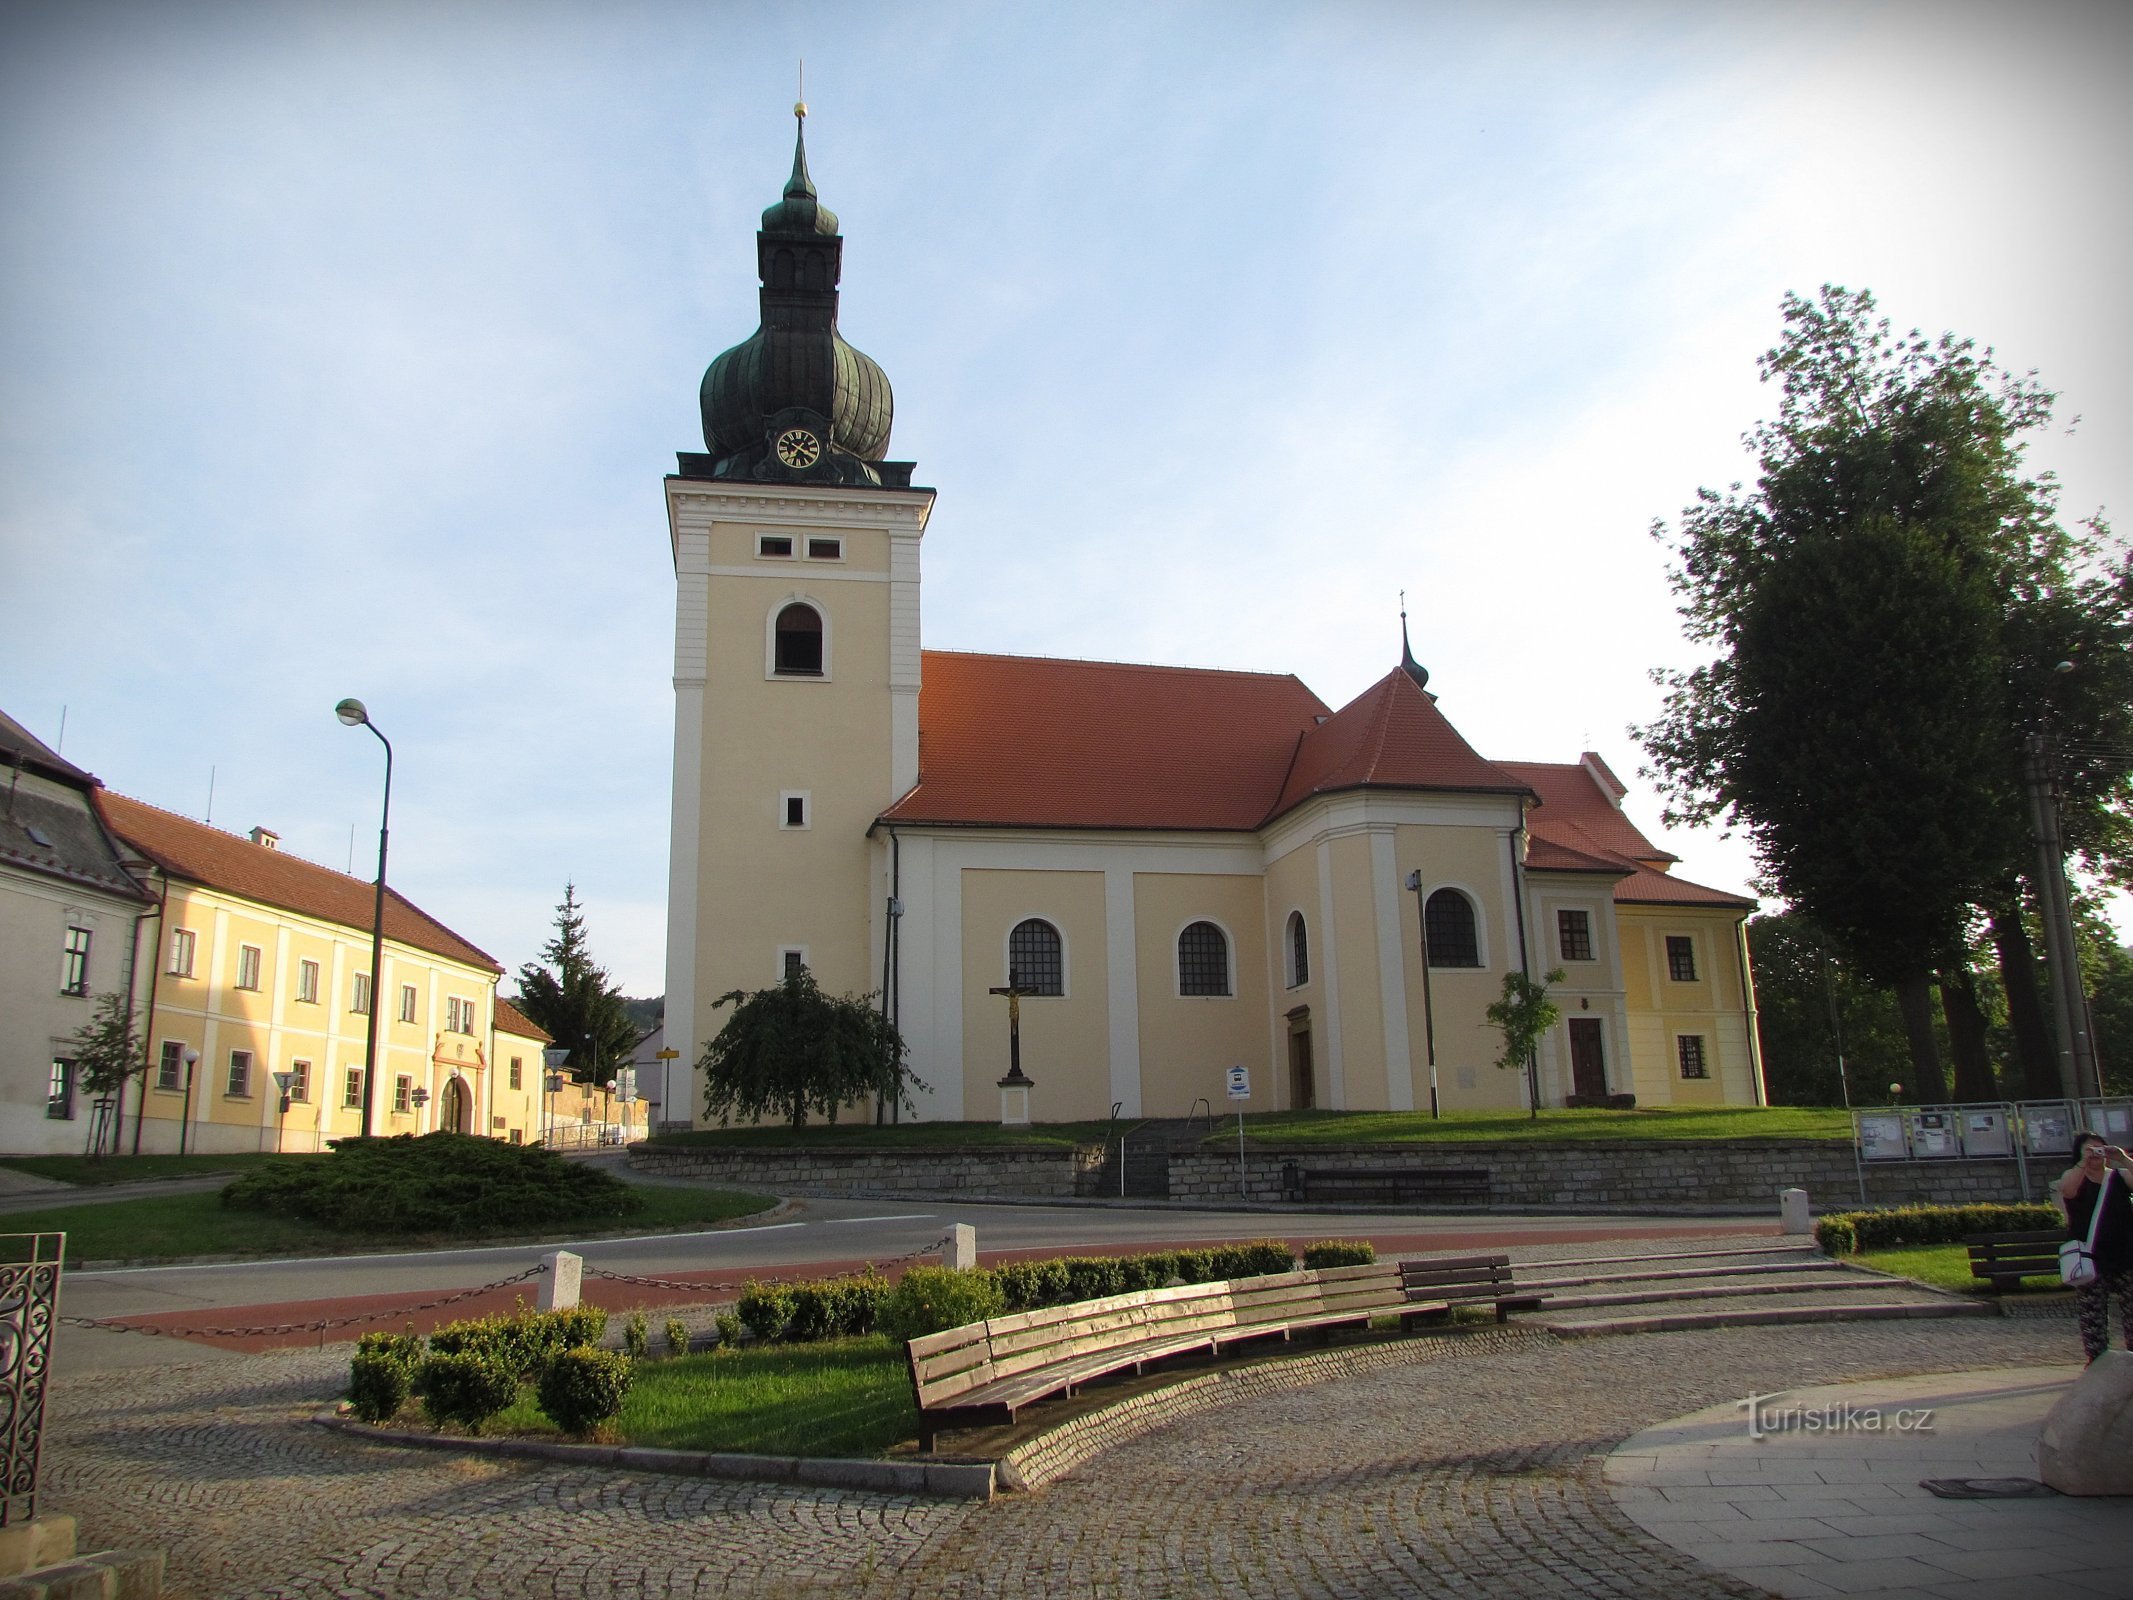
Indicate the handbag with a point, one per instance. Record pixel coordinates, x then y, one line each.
2077 1257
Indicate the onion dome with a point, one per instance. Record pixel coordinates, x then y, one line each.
794 401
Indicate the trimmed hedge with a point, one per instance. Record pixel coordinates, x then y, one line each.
467 1388
1845 1233
441 1183
582 1388
1339 1253
522 1340
826 1308
378 1385
929 1299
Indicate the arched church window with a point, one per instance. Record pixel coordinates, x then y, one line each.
1448 919
1299 951
1203 960
799 641
1036 960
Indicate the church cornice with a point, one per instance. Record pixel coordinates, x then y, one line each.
869 508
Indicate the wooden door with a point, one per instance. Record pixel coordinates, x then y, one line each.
1302 1096
1588 1058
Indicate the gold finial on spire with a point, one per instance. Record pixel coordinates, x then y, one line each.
799 106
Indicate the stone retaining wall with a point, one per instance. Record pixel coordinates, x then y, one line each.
1631 1174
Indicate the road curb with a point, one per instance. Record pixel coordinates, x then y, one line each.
947 1480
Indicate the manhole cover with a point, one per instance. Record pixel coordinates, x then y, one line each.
1987 1488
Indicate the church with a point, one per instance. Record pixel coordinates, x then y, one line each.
1180 871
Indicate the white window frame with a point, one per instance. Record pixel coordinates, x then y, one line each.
74 960
770 640
240 1062
1229 957
251 960
61 1088
1295 919
184 951
784 950
791 539
170 1066
809 541
786 797
362 994
307 973
410 1003
1481 925
1592 941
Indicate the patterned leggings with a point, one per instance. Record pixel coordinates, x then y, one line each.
2092 1306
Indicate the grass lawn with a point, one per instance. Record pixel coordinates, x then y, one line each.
134 1169
171 1227
1325 1127
1945 1266
842 1397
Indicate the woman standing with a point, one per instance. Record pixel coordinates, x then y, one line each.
2077 1194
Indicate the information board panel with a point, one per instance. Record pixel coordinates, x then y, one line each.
1881 1136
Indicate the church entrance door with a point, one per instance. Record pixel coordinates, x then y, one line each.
1588 1058
452 1110
1302 1095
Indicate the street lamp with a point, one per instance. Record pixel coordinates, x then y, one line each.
352 713
185 1123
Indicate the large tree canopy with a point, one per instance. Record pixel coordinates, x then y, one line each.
793 1049
574 1000
1894 608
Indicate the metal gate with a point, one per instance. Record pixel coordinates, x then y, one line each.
29 1302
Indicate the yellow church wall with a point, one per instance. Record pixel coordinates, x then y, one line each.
1188 1042
1472 860
762 886
1292 886
1065 1044
1355 935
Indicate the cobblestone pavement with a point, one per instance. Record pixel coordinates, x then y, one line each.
1473 1476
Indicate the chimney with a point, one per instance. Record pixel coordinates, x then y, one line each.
266 838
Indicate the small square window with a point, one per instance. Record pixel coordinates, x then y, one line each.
307 982
239 1086
1681 958
1690 1048
792 809
778 546
407 1002
825 549
1573 931
182 945
517 1137
352 1089
59 1094
74 964
248 966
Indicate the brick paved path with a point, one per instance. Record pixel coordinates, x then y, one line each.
1464 1477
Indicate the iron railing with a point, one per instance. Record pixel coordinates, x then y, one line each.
29 1301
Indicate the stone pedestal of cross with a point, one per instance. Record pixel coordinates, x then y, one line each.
1014 1088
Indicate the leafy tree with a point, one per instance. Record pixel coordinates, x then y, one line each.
576 1003
1890 605
1808 1004
104 1055
792 1049
1522 1015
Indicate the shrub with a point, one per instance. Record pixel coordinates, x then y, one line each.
1252 1260
582 1388
636 1338
1026 1285
729 1329
379 1383
441 1183
1600 1102
1339 1253
833 1308
928 1299
1847 1232
523 1340
677 1332
405 1348
467 1388
765 1308
1192 1266
1092 1277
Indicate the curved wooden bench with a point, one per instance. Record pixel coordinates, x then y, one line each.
1468 1280
988 1371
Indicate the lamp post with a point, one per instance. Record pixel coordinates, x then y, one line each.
352 713
1429 1010
185 1123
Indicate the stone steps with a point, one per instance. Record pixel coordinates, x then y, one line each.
1771 1316
38 1562
1656 1296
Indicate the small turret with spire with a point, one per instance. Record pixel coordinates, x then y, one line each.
1408 664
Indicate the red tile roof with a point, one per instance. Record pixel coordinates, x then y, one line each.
1033 741
1579 827
509 1019
198 853
1391 736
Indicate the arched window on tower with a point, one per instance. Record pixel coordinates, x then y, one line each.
1448 920
1299 951
799 642
1203 960
1036 961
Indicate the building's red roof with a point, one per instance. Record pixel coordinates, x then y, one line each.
509 1019
197 853
1579 826
1032 741
1391 736
1647 886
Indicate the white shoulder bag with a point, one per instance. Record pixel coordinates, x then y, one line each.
2077 1257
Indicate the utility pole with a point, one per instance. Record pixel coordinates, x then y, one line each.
2077 1052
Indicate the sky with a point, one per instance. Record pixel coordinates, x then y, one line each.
344 348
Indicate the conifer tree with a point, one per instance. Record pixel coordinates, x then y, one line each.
575 1002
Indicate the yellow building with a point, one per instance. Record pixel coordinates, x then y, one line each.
263 967
1185 871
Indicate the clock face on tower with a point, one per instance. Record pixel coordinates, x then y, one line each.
796 447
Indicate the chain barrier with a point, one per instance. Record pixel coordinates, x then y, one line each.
316 1325
700 1289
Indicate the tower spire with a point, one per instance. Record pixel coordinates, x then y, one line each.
1413 668
799 186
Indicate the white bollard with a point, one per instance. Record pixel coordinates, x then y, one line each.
962 1247
559 1284
1792 1210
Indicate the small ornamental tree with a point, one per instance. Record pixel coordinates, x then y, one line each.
1522 1016
792 1049
103 1053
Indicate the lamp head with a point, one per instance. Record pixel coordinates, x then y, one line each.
351 712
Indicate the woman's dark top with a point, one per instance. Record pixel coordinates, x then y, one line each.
2114 1235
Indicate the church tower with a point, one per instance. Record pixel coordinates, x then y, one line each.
796 653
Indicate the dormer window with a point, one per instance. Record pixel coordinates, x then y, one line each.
798 645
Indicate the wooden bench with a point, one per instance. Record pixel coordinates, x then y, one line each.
989 1371
1466 1280
1456 1186
2007 1258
